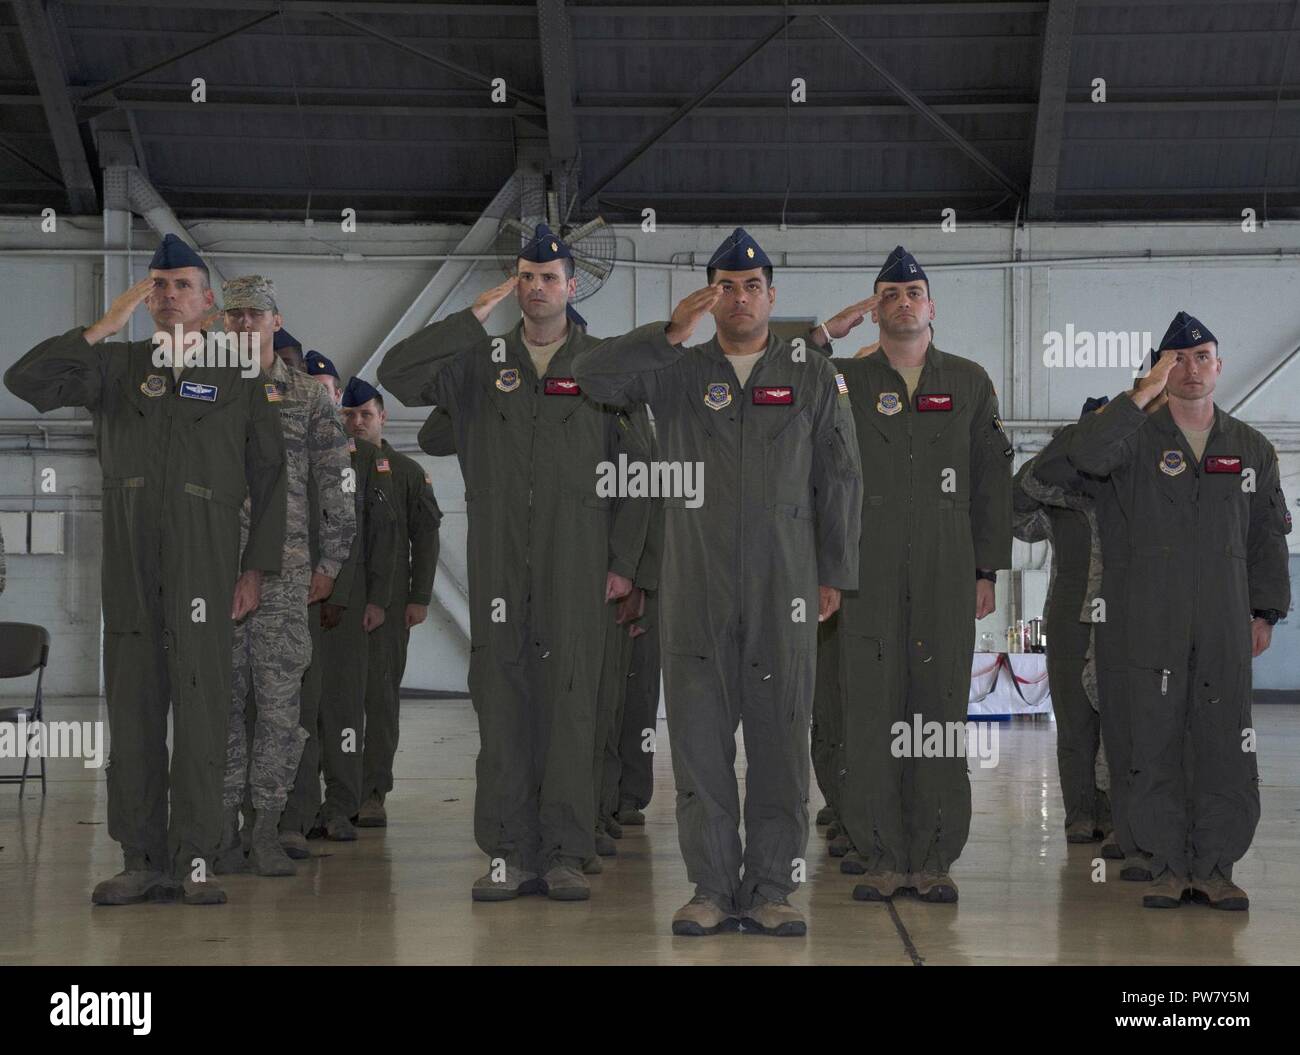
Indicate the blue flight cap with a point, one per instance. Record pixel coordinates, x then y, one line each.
172 253
544 247
358 392
1093 403
1186 331
574 317
739 252
901 266
284 339
317 364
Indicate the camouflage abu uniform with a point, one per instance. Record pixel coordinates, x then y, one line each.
272 647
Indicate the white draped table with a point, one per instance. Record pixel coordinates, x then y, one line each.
1008 683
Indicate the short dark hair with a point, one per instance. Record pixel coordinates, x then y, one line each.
380 400
710 272
567 261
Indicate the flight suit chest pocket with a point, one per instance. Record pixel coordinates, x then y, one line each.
787 468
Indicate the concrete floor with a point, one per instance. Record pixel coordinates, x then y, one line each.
401 895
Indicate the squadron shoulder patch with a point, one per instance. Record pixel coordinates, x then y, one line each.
381 465
272 393
508 379
718 395
562 386
1223 463
889 403
1172 463
934 401
154 385
768 395
194 390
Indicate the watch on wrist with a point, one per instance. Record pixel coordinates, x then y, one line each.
1269 615
981 573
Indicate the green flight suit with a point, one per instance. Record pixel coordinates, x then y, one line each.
339 655
1202 547
178 459
410 497
937 471
636 749
827 738
616 673
1065 515
782 501
368 577
541 542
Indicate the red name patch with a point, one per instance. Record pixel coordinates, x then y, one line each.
562 386
1223 463
770 394
934 402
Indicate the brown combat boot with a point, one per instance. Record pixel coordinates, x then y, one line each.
935 887
777 918
879 886
703 915
1219 892
137 882
1166 891
372 813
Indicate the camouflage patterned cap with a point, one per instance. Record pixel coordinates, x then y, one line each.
248 291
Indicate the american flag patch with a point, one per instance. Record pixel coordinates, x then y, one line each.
841 384
272 393
382 465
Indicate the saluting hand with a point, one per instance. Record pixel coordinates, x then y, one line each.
839 325
119 312
689 312
489 299
1154 383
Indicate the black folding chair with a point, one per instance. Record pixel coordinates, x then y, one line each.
24 647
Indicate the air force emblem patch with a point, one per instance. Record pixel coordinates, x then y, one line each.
718 395
508 380
154 385
889 403
1172 463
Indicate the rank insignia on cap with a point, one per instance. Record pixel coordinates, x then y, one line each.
1223 463
889 403
194 390
272 393
508 380
154 385
717 395
934 402
773 396
750 252
562 386
841 384
381 465
555 247
1172 463
352 446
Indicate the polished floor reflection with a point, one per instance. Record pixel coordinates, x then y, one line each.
401 895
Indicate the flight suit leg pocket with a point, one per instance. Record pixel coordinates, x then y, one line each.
123 579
